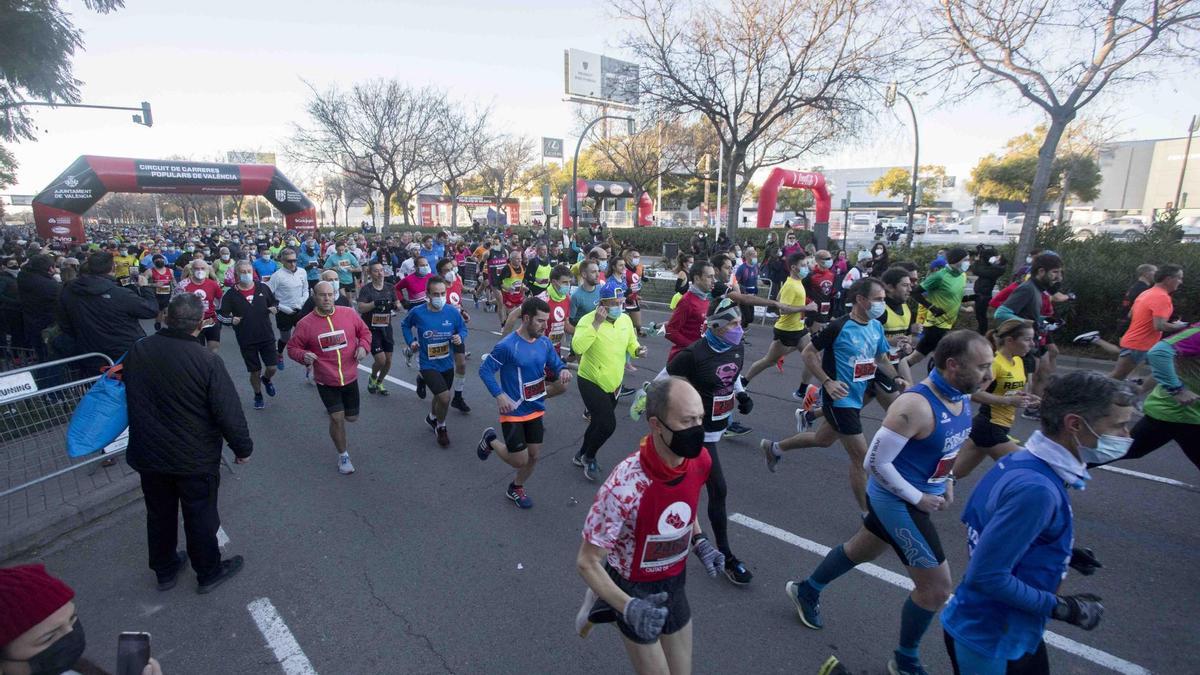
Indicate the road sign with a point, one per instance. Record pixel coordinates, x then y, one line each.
552 147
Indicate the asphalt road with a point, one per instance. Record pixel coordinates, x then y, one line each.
418 564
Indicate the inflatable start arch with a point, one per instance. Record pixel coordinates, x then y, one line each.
58 210
807 180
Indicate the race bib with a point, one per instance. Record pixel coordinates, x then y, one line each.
381 319
438 350
344 263
162 289
722 407
126 281
823 308
532 391
864 369
556 338
332 341
944 466
664 550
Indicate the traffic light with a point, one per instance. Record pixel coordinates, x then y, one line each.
145 118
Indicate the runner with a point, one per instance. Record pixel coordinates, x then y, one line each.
512 284
377 306
333 340
844 358
496 261
1150 318
941 293
410 289
711 365
634 272
200 284
822 289
264 265
602 338
998 404
1030 300
586 296
526 362
310 261
163 281
447 269
746 274
1020 532
437 327
790 333
248 308
290 286
636 536
345 264
910 461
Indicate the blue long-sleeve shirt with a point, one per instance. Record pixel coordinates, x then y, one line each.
309 261
433 331
522 366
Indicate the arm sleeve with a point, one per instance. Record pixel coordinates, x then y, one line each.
226 411
490 367
1162 365
1022 513
885 447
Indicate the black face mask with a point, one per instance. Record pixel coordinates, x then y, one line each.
686 442
60 656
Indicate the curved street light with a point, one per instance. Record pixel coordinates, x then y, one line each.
575 163
889 99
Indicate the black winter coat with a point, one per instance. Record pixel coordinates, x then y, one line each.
39 296
182 404
102 316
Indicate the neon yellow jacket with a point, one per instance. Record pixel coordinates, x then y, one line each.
602 351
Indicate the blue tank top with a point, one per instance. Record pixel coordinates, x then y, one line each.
925 463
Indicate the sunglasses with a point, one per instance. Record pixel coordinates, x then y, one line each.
289 260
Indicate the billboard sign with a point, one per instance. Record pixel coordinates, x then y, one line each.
249 157
552 147
601 78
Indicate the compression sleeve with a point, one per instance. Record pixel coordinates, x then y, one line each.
885 448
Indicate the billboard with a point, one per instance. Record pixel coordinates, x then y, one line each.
552 147
600 78
249 157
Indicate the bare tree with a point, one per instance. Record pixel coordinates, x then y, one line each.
776 79
379 134
1059 55
459 145
504 169
655 149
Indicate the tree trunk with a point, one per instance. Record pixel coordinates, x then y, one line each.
733 191
403 198
454 212
387 207
1041 180
1066 189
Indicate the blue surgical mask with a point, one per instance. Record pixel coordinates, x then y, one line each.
437 302
804 272
1107 449
614 311
603 266
423 270
245 278
635 261
826 263
877 309
563 289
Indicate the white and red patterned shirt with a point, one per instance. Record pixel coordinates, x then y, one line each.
646 525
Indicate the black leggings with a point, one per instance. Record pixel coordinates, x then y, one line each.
1036 663
747 315
981 313
717 516
601 405
1150 434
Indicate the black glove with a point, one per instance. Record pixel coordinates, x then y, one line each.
646 616
745 403
1082 610
1084 561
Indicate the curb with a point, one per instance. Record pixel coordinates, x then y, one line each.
69 516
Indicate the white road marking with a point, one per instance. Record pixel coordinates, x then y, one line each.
279 638
222 538
389 378
1146 476
1066 644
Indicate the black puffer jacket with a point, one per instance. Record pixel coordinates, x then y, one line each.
39 294
102 316
182 403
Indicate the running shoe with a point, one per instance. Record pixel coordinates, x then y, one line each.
833 667
269 387
281 363
517 494
1087 338
443 436
591 470
420 387
382 389
772 461
577 458
408 354
484 449
459 403
807 602
626 391
432 422
259 403
736 571
344 466
638 407
372 388
736 429
905 665
807 394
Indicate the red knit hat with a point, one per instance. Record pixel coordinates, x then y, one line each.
27 596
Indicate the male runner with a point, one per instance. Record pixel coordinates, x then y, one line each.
526 362
290 286
497 261
586 295
512 284
431 329
711 365
264 266
633 285
637 534
941 293
1029 302
333 340
377 305
844 358
345 264
447 269
1020 532
199 283
822 290
790 332
910 461
163 281
1150 318
248 307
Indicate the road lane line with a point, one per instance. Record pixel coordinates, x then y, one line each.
279 638
389 378
1147 476
1053 639
222 538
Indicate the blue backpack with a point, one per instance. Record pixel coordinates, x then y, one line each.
101 415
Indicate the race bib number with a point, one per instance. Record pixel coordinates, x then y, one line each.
332 341
722 407
556 338
823 308
162 289
664 550
381 319
944 466
533 391
864 369
126 281
438 350
344 263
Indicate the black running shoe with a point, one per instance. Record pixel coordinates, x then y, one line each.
459 403
736 571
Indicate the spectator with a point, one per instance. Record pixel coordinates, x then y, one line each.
38 291
182 404
99 314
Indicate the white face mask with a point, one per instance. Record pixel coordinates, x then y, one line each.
199 275
994 260
451 276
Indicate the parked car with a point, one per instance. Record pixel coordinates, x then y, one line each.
984 224
1122 227
1191 228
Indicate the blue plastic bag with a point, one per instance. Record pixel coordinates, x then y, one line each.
101 415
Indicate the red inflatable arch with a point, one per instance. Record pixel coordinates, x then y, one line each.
793 179
58 210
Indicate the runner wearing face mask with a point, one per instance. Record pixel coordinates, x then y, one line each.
633 287
822 290
941 293
430 330
447 269
377 305
410 290
163 281
209 291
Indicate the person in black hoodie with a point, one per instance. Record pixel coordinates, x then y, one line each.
248 307
182 404
38 292
102 316
989 266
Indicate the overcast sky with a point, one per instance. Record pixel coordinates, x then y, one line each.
224 75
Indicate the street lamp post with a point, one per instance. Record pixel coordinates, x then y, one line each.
145 118
890 99
575 163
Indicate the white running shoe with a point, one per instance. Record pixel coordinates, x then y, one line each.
344 466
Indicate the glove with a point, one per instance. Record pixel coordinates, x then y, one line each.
1084 561
745 403
646 616
712 559
1082 610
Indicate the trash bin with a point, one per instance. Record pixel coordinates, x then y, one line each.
670 250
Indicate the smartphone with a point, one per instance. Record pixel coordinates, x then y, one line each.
133 653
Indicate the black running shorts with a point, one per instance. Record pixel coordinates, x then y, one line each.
985 434
679 612
260 355
790 338
519 435
340 399
438 381
845 421
382 341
